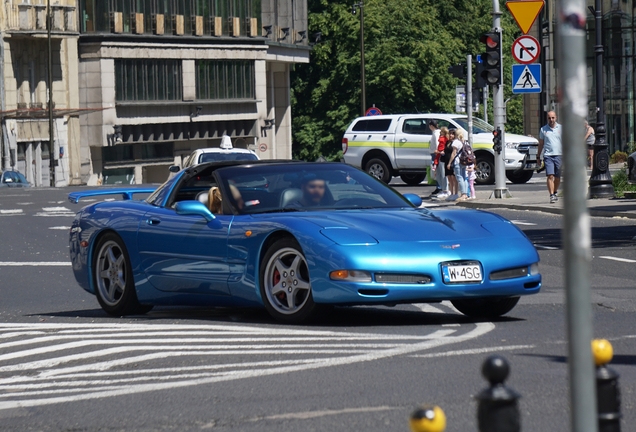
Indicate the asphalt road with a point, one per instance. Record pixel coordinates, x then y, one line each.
65 365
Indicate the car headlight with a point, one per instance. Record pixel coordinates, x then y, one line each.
511 145
534 269
350 275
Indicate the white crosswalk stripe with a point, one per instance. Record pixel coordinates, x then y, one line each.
43 364
55 212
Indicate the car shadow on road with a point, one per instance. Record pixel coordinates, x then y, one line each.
619 359
366 316
602 237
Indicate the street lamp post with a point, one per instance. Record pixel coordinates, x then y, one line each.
601 179
354 8
49 25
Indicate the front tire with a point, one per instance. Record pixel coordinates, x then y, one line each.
520 177
485 169
113 279
379 169
413 179
284 283
485 308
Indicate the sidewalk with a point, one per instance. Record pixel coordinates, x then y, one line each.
540 201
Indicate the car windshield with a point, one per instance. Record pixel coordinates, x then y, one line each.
479 126
306 187
215 157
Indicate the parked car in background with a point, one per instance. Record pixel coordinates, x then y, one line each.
398 145
13 179
631 168
225 152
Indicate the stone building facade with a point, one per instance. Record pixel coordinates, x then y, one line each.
159 79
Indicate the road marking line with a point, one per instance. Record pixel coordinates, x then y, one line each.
25 203
479 330
625 260
61 228
56 209
11 211
474 351
35 263
322 413
522 222
543 247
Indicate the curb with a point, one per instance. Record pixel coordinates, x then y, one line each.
552 210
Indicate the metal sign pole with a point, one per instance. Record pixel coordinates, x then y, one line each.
499 117
469 96
576 225
49 20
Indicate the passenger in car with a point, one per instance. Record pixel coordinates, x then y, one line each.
215 202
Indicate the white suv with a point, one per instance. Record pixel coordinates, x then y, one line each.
387 146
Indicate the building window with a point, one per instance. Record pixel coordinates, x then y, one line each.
148 80
225 79
105 16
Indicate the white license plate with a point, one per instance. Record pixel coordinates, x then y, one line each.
456 273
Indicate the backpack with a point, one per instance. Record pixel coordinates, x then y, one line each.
466 156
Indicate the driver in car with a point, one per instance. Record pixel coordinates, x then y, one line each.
313 189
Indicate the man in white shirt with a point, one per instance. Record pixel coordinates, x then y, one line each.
440 178
550 149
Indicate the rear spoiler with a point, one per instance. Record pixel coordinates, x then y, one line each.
127 194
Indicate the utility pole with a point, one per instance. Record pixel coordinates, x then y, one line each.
469 97
485 91
363 86
49 21
601 179
576 225
493 73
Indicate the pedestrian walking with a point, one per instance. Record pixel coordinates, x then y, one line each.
435 133
550 149
472 176
590 139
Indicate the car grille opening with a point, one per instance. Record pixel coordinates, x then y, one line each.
397 278
531 285
370 292
509 274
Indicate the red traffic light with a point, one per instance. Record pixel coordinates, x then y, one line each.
495 133
491 40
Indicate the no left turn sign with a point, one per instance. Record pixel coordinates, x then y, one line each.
526 49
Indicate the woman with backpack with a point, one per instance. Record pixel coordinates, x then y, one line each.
449 159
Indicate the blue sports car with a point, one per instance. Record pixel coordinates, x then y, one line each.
293 237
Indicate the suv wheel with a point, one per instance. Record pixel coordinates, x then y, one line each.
485 169
378 169
520 177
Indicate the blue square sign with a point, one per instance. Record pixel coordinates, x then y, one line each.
526 78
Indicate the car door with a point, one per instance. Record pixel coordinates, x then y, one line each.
184 253
412 144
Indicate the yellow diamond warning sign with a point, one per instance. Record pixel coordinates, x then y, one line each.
525 12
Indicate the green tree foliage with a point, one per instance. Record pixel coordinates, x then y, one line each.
409 45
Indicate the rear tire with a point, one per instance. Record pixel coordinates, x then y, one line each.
486 307
413 179
378 168
520 177
485 169
113 279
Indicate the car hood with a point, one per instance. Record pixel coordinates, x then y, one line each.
367 227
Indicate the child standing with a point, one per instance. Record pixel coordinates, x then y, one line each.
472 176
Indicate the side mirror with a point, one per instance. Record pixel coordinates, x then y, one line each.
194 208
174 168
413 199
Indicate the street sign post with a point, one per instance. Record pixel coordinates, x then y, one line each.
526 78
525 12
526 49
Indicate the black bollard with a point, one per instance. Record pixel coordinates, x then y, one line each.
497 407
608 396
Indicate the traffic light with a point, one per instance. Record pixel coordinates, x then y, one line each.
492 58
458 70
496 140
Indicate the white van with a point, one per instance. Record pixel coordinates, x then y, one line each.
388 146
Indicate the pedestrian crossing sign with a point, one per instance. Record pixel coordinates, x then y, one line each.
526 78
